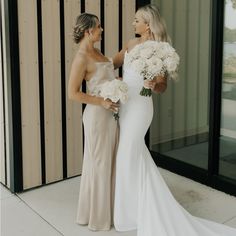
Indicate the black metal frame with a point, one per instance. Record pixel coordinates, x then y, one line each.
63 86
102 19
216 85
120 31
3 95
41 90
82 9
13 93
210 176
140 3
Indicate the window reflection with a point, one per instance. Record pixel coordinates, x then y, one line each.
180 126
228 111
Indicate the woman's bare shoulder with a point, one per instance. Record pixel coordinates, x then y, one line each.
81 57
132 42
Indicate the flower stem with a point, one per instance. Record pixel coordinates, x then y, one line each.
116 116
146 92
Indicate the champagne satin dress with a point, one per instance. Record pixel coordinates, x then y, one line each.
96 197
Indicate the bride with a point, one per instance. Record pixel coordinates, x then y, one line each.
142 198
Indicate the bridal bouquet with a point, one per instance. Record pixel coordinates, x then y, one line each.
154 58
115 90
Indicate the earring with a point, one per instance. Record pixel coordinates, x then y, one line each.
149 33
90 35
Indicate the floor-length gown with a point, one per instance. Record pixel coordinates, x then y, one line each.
96 196
142 199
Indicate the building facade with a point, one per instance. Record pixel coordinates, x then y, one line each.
193 132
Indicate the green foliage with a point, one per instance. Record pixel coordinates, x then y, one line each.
233 3
231 75
229 35
230 67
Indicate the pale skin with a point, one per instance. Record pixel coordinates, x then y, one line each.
84 67
159 83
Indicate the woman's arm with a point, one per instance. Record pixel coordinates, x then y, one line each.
77 75
118 59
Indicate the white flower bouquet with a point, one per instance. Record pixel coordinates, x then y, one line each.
153 59
115 90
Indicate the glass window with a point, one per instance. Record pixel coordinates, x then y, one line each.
180 125
228 108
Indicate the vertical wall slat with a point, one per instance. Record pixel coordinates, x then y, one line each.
111 27
7 126
2 134
74 109
93 7
52 89
41 97
31 148
127 19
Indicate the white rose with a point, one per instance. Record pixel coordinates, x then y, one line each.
135 54
173 75
115 98
165 49
171 63
160 52
139 65
123 87
124 98
107 89
147 52
176 57
114 90
155 65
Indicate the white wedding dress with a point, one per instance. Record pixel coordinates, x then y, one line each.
142 198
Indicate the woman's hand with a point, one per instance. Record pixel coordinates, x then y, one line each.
149 84
158 84
109 105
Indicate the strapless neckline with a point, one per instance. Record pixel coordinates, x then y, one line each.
102 62
99 63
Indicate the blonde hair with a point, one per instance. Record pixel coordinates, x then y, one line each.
151 16
83 22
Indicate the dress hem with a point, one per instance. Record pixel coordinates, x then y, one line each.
122 229
93 228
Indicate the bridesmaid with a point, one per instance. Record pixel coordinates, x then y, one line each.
95 206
